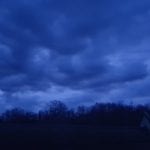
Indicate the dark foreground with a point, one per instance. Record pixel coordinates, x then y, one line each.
71 137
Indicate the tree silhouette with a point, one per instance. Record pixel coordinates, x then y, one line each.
57 110
109 114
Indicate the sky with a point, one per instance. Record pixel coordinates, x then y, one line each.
76 51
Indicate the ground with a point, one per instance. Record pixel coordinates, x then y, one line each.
71 137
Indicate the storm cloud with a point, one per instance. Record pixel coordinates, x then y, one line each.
79 52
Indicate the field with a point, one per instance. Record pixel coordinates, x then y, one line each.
71 137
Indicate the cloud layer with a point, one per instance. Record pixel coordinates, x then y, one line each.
76 51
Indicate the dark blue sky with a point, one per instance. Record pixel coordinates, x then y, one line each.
77 51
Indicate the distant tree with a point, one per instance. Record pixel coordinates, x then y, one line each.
57 110
14 115
43 115
81 110
82 115
108 114
19 115
71 115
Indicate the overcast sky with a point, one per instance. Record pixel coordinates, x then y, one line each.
76 51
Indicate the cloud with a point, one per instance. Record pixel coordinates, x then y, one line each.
92 47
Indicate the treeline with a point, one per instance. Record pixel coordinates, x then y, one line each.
109 114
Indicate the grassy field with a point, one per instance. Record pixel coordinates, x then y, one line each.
70 137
